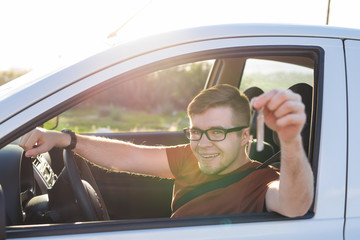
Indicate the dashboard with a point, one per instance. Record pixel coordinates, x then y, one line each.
45 176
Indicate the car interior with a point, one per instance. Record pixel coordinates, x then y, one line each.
44 188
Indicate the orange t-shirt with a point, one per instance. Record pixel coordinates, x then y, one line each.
244 196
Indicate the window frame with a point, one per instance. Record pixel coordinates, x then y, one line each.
316 52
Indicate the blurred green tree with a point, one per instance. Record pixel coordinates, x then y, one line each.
163 91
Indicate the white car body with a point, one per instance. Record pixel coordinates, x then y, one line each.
336 205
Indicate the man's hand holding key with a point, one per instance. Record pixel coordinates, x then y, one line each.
283 112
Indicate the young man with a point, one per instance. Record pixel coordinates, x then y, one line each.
218 133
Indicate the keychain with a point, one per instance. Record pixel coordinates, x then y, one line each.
257 125
260 130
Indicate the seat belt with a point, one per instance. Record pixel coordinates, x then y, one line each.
273 159
220 183
210 186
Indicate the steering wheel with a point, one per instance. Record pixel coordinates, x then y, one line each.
87 194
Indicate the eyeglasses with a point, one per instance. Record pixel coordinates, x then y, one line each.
213 134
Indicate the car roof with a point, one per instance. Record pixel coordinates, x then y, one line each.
31 88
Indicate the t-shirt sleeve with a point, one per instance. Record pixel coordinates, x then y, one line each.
176 156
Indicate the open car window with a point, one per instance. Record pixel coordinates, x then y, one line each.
151 110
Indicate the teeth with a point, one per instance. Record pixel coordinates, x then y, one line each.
210 155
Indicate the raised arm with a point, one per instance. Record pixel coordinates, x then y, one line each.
110 154
284 113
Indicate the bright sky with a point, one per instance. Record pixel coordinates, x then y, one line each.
38 33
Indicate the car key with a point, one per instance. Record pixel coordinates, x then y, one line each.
257 123
260 130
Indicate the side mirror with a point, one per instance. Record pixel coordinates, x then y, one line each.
2 215
52 123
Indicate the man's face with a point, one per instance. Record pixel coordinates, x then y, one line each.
218 157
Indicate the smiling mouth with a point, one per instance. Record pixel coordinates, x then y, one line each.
209 155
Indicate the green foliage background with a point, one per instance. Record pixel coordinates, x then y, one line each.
156 101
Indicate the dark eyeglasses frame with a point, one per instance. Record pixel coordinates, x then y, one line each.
226 131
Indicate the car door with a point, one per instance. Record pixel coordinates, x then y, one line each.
328 157
352 50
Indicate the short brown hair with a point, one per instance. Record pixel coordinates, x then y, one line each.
222 95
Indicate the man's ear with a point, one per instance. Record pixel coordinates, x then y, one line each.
245 136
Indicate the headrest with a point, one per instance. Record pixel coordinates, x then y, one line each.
305 91
253 92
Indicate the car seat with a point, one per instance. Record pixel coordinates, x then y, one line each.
305 91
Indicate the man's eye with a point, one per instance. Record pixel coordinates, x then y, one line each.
195 132
217 131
